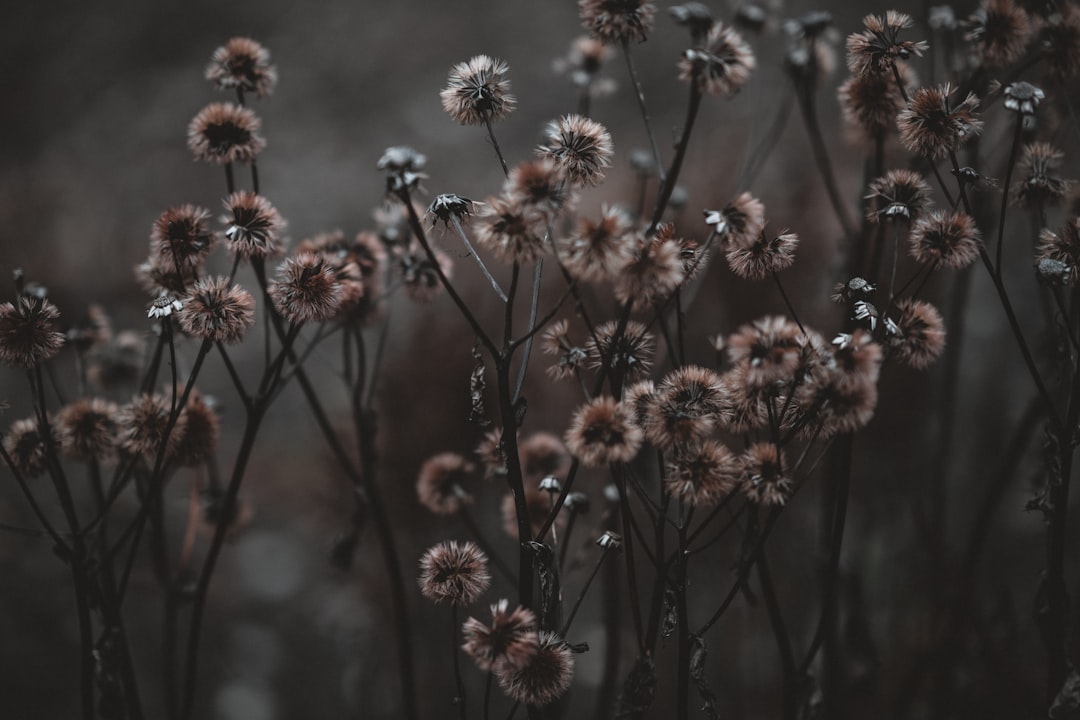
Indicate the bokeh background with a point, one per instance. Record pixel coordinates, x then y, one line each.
96 101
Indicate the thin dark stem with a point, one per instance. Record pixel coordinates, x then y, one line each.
787 302
783 640
808 106
495 144
230 181
751 559
628 553
581 595
755 161
533 308
667 183
487 696
639 94
459 684
1005 190
479 261
683 620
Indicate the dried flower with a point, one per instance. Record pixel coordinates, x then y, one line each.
922 333
449 206
454 573
581 148
742 402
507 644
545 678
683 408
27 337
25 445
181 237
217 312
1040 186
242 64
764 256
723 66
225 133
510 229
769 348
932 127
143 424
538 185
653 273
598 249
615 21
703 474
764 481
254 226
306 289
440 486
478 91
950 239
1023 97
1061 42
1064 247
163 279
543 455
899 195
874 50
583 63
870 104
163 306
638 397
491 455
87 429
740 222
627 354
201 430
570 358
999 30
603 432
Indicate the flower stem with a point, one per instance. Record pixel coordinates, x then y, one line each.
639 94
667 183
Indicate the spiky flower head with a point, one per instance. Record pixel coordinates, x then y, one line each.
253 226
702 474
307 289
627 353
217 311
946 239
1040 185
768 254
581 147
739 222
874 50
242 64
900 195
763 476
224 133
440 485
999 30
511 229
920 337
145 426
27 334
545 678
681 412
616 21
88 429
933 126
598 249
722 66
603 431
25 444
1062 247
181 237
454 573
508 643
478 91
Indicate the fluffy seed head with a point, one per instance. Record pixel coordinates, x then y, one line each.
440 486
214 310
87 429
768 254
629 355
682 410
874 50
143 423
545 678
27 335
1062 246
654 272
870 104
570 358
598 249
603 432
224 133
25 445
1040 185
538 184
307 289
740 222
181 237
253 225
581 147
242 64
948 239
763 479
507 644
478 91
613 21
511 229
201 431
899 195
702 475
454 573
769 348
999 30
723 66
921 336
932 126
543 455
1061 42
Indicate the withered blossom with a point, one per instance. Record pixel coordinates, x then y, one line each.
1062 246
143 423
945 239
545 678
478 91
598 249
440 485
654 272
543 455
1040 185
603 432
454 573
306 289
627 354
198 444
25 445
181 237
932 126
874 50
217 311
921 338
768 254
511 229
506 644
242 64
702 474
763 476
580 147
253 226
682 410
999 31
225 133
569 358
87 429
900 195
722 66
27 332
616 21
739 222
